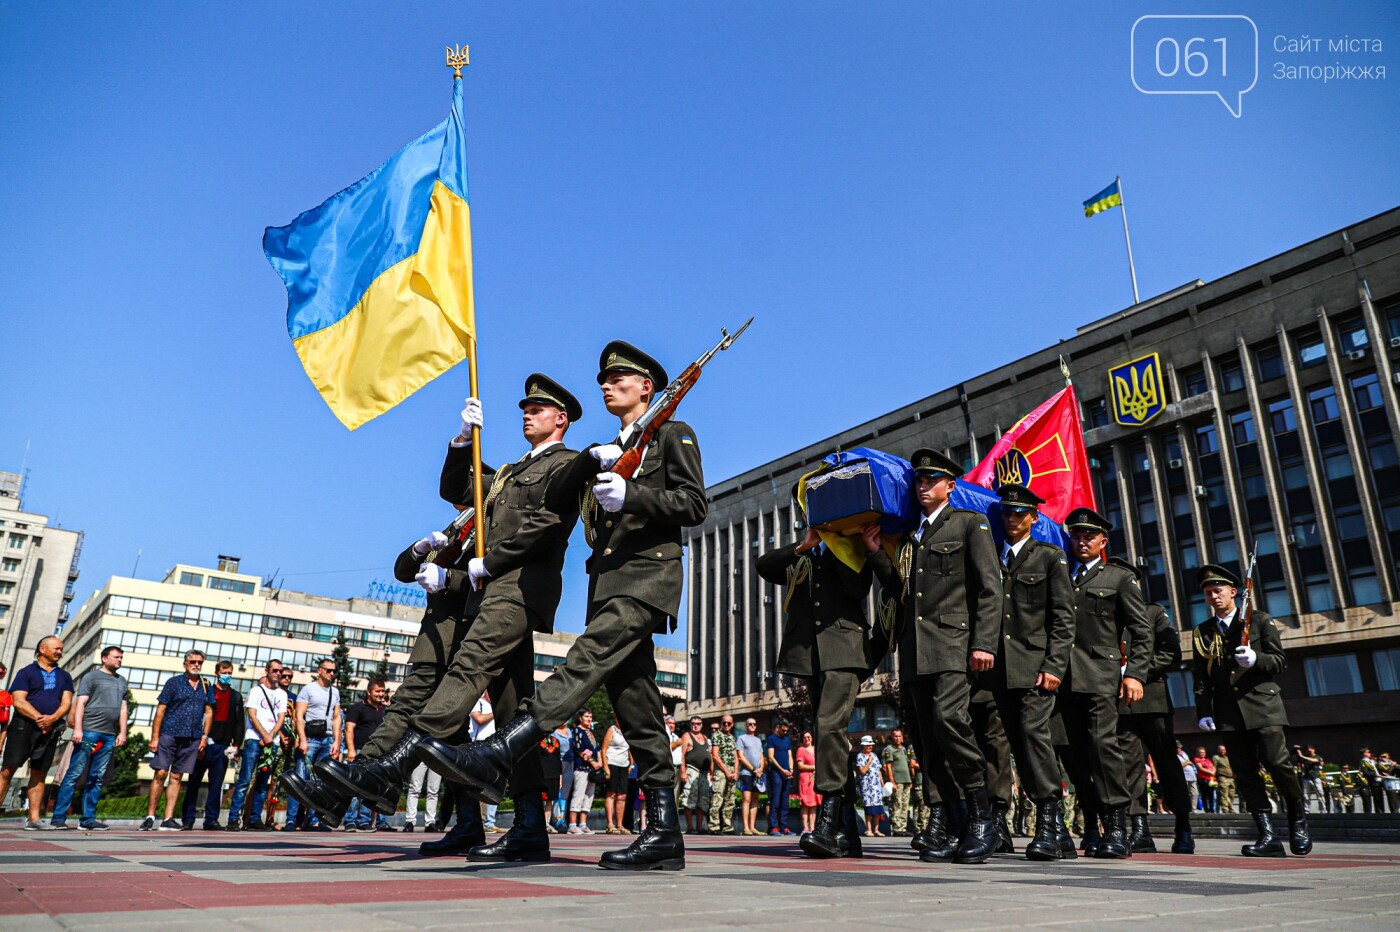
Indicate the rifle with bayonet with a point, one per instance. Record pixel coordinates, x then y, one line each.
1246 610
461 536
664 406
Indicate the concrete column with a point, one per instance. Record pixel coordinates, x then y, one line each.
1186 437
1272 475
1366 484
700 623
730 616
1227 462
1312 463
1125 496
746 680
1165 522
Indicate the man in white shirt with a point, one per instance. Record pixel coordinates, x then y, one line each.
266 706
484 726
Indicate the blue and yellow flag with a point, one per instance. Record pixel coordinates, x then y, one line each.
379 277
1105 199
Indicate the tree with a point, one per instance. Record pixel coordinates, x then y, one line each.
796 706
344 674
382 670
603 715
125 762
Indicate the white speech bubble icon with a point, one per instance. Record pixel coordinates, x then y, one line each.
1184 60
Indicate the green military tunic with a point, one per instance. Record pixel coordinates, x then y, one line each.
949 581
1110 618
1247 704
1145 726
634 590
525 545
825 643
1037 633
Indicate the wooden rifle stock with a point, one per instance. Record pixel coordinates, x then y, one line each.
1248 607
461 535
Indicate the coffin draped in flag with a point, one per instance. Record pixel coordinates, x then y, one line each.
858 486
1044 452
379 277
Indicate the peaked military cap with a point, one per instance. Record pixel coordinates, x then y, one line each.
932 463
624 357
1087 518
540 389
1213 574
1016 497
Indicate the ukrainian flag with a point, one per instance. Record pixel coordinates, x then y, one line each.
379 277
1108 197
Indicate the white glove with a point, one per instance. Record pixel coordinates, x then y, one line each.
476 571
434 541
1245 657
1206 724
606 455
431 577
471 417
610 489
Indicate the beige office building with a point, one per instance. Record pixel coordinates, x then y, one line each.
38 567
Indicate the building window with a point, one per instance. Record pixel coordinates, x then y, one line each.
1268 363
1366 389
1365 587
1193 381
1311 351
1276 599
1206 440
1319 588
1282 417
10 565
1095 413
1322 402
1338 465
4 609
1242 427
1388 668
16 541
1335 675
230 585
1231 375
1181 689
191 579
6 588
1352 335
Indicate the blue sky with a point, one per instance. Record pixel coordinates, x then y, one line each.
892 188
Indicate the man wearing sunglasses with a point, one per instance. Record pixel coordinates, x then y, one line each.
184 711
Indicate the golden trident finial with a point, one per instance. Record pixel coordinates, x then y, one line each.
457 59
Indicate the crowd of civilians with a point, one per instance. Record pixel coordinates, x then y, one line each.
202 727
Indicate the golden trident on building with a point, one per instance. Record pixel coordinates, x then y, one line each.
457 59
1139 397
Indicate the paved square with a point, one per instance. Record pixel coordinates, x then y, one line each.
197 880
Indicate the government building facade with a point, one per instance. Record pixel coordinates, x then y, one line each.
1265 417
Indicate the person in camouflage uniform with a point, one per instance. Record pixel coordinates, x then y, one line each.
724 778
918 799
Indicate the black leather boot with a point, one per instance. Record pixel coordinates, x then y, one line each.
1183 843
465 835
378 782
1114 845
824 840
1269 845
483 767
1089 844
1140 836
943 844
980 840
1299 841
661 846
526 840
315 794
1004 843
1068 852
1045 846
935 833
